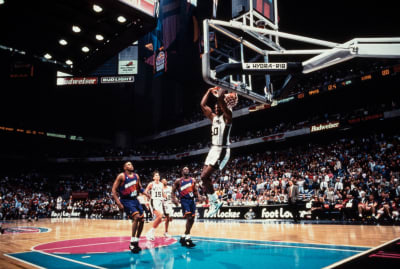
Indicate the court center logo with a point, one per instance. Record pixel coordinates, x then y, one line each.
25 230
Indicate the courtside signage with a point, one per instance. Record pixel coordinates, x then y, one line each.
77 81
124 79
324 126
264 66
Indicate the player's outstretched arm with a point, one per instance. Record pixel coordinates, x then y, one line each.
206 109
116 184
175 187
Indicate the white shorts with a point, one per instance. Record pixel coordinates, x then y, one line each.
157 205
168 210
218 157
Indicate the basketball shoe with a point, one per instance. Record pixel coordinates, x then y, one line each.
189 243
150 235
167 235
215 205
134 247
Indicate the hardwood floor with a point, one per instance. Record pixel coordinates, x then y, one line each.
64 229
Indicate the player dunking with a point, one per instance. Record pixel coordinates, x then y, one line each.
167 190
186 186
128 186
219 153
156 189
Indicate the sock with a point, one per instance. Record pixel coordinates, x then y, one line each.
134 239
151 230
187 236
183 236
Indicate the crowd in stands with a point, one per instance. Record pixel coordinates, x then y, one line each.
350 178
32 196
25 196
336 178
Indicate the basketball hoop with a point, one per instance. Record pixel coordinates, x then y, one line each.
231 99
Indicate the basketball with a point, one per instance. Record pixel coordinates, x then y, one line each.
231 99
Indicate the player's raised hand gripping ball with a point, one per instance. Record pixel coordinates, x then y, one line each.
217 91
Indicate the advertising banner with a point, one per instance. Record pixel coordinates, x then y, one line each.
77 81
128 61
324 126
118 79
279 211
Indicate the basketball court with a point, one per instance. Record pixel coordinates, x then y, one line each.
249 59
85 243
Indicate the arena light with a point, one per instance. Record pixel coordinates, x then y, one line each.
47 56
76 29
85 49
1 2
97 8
99 37
63 42
121 19
69 62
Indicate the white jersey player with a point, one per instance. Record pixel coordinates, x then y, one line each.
219 153
157 197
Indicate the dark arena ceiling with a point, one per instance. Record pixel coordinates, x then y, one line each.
76 35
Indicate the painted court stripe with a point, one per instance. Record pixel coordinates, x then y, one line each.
28 229
285 242
17 259
78 246
71 260
273 245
